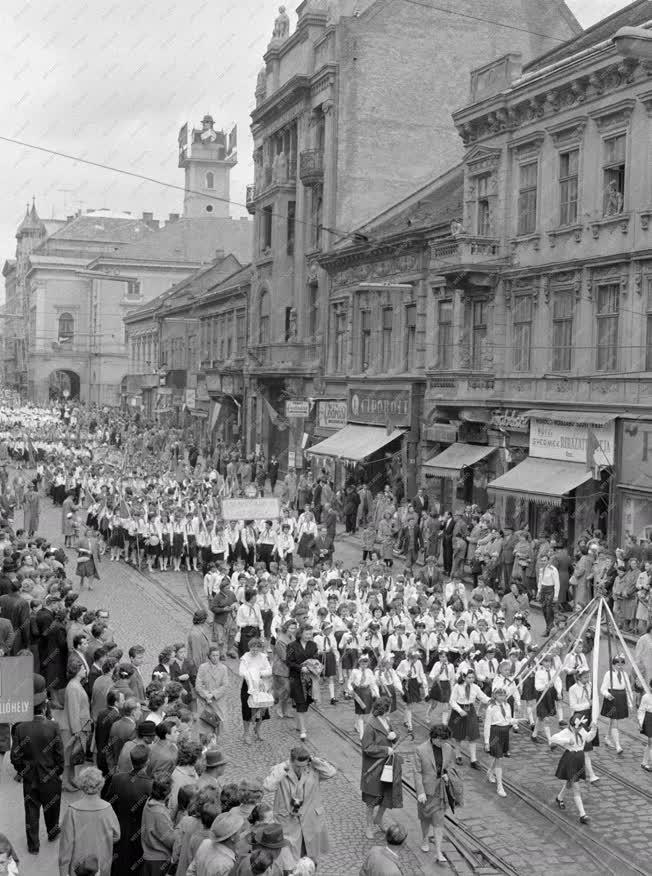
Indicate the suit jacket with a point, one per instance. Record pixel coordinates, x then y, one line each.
16 610
76 708
425 769
137 686
37 750
103 723
127 793
381 861
121 731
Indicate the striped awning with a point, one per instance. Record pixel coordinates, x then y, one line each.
355 442
450 462
546 481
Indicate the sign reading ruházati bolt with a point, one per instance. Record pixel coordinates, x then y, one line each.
378 407
568 441
16 689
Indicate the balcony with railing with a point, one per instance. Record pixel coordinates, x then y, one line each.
466 252
291 356
311 167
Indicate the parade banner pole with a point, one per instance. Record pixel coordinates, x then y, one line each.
644 681
595 691
560 669
549 645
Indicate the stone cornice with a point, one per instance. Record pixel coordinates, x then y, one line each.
615 115
569 131
293 92
531 100
354 257
530 142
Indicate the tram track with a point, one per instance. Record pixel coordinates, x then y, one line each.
474 854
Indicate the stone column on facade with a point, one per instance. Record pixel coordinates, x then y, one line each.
302 223
584 352
461 353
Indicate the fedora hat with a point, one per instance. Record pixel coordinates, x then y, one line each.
226 825
214 758
271 836
146 730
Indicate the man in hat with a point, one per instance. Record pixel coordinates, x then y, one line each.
16 610
298 806
37 757
216 855
215 765
270 837
127 793
145 736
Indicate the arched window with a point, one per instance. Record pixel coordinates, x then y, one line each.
263 317
66 328
210 180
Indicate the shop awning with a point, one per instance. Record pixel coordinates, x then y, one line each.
355 442
575 419
541 480
450 462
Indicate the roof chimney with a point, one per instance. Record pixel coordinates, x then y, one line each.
173 217
147 217
219 254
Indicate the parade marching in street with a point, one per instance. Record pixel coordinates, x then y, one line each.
406 649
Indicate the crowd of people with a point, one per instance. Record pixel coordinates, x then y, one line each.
448 642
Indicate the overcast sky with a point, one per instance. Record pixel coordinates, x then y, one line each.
113 80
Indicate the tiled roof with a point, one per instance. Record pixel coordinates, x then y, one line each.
194 240
102 228
631 16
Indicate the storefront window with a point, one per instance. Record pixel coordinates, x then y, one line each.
636 519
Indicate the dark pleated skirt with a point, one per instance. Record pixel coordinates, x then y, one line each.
464 726
498 740
617 708
571 767
547 707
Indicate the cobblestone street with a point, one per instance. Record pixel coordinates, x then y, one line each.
141 611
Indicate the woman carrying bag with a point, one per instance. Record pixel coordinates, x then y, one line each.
382 780
438 786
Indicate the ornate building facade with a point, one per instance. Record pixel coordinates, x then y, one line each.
533 338
340 134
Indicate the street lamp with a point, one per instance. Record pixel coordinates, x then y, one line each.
634 42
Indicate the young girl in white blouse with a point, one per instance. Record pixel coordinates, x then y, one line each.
547 686
329 656
388 681
442 678
645 723
497 723
571 766
463 722
363 688
617 700
415 686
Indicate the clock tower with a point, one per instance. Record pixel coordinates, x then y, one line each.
207 156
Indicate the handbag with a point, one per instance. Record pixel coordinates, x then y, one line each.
209 717
77 750
260 699
387 774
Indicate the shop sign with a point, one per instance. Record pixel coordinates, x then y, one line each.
510 420
331 414
636 455
380 407
16 689
297 409
443 433
570 442
191 398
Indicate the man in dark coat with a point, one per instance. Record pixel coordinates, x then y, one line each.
37 756
127 793
16 610
122 731
105 720
448 529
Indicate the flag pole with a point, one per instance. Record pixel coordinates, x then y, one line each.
595 691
